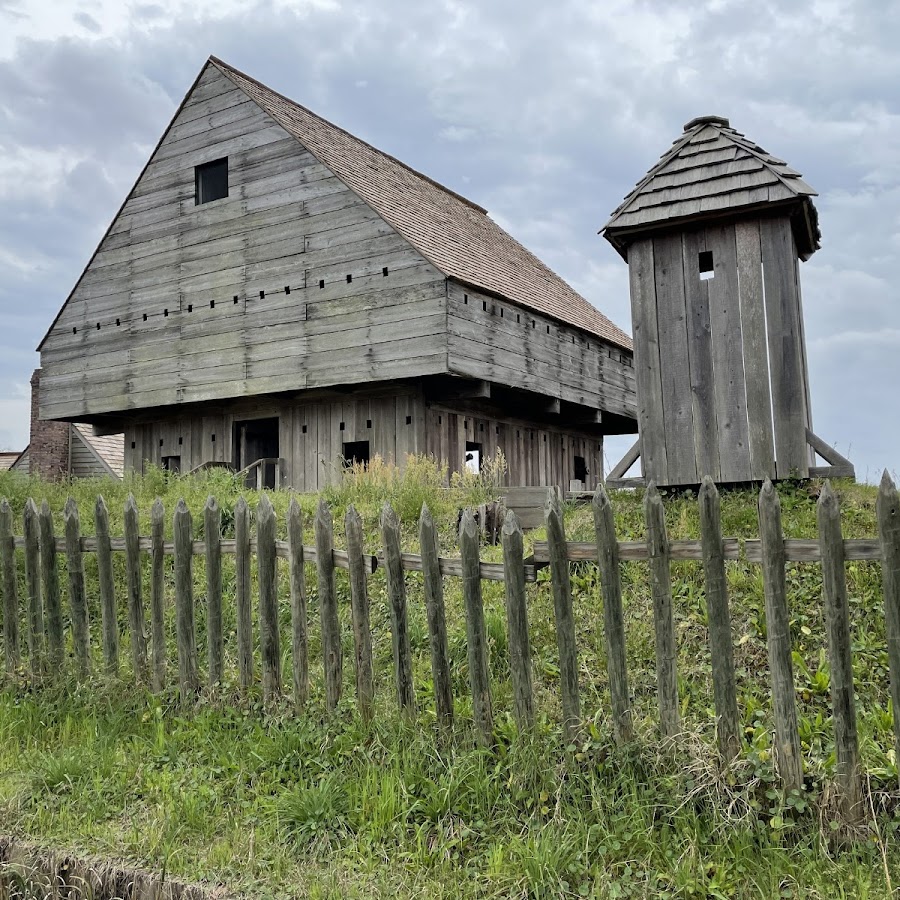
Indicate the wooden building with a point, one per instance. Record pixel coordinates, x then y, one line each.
275 288
713 236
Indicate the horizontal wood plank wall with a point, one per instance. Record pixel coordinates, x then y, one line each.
535 455
311 435
286 223
499 341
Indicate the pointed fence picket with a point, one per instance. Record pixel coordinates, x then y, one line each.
40 607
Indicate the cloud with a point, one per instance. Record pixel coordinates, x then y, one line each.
545 114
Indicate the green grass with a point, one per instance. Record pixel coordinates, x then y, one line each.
281 804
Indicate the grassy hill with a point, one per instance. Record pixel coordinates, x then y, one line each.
280 804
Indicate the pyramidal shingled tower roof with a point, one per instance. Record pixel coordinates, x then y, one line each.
713 170
454 234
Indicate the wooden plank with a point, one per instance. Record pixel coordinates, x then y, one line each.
778 634
804 550
664 625
646 361
586 551
396 591
243 607
729 391
607 550
328 609
34 604
78 609
721 644
109 625
476 635
212 533
134 594
157 594
888 512
564 618
359 610
269 634
837 620
437 621
517 623
299 622
675 377
788 391
756 356
626 462
827 452
185 628
12 655
50 585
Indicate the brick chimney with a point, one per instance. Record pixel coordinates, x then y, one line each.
48 454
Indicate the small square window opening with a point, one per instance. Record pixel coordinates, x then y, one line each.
211 181
705 264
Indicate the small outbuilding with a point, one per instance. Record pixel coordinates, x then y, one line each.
713 236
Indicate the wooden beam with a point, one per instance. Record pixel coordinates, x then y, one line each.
625 463
828 453
842 471
615 484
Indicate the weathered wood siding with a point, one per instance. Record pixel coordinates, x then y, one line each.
720 362
186 303
311 435
536 455
495 340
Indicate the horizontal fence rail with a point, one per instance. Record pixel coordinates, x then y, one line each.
33 590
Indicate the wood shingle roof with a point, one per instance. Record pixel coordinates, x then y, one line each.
712 169
454 234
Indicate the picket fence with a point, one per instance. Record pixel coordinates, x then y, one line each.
45 639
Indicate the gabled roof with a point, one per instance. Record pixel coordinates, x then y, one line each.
454 234
710 170
108 449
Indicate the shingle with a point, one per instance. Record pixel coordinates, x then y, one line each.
456 235
710 168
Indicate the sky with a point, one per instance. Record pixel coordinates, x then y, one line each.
544 113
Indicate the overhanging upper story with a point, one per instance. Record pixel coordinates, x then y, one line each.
265 251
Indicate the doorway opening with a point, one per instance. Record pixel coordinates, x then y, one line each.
256 439
473 457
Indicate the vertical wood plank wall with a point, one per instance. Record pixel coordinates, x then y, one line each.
720 362
312 435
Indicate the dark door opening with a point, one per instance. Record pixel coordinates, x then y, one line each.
355 453
172 463
581 471
256 439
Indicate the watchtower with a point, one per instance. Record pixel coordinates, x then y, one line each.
713 235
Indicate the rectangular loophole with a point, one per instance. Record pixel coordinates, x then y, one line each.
705 265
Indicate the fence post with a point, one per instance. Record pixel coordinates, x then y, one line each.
565 622
267 569
242 593
437 621
888 511
721 647
479 672
517 622
613 618
787 739
81 635
184 601
212 531
33 587
837 617
10 589
661 592
359 610
107 588
396 591
299 644
157 593
50 584
135 598
328 609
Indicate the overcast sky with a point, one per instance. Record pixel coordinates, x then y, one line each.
545 113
